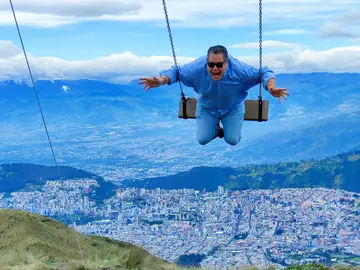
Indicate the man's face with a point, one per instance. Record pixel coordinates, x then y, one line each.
217 65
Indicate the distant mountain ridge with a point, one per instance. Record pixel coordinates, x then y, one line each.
320 91
340 172
83 100
120 131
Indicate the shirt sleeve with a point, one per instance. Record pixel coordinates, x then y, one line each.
187 73
251 75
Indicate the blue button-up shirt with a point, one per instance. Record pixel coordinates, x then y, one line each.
222 95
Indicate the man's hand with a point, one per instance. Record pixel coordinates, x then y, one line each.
152 82
278 92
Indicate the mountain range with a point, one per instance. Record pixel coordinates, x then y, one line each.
121 132
336 172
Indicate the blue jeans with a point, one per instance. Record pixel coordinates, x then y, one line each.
207 125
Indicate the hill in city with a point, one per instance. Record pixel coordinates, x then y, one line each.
31 177
340 171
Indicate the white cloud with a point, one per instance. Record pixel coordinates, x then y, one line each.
352 17
127 66
8 49
266 44
342 59
334 30
115 68
185 13
73 8
288 32
345 25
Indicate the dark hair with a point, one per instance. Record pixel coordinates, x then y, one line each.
218 49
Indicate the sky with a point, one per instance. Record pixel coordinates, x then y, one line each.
118 40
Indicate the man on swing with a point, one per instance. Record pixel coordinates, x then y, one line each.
222 82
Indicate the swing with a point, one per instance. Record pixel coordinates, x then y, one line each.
255 110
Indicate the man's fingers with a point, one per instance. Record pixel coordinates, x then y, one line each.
280 90
146 87
149 83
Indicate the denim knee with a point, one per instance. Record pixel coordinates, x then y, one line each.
203 141
232 140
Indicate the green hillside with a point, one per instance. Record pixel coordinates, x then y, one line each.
340 172
27 238
30 177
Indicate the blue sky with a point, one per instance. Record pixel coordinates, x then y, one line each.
128 39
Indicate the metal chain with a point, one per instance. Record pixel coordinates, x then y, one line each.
260 47
172 47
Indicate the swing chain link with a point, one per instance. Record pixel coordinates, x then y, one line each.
172 47
260 47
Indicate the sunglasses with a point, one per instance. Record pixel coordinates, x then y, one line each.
218 65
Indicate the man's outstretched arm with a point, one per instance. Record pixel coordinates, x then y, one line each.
276 92
251 75
187 73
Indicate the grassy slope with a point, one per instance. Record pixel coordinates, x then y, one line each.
37 238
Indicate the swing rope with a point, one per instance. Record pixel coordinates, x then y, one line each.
32 80
42 115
